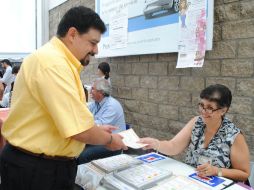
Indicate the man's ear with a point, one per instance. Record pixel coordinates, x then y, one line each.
71 34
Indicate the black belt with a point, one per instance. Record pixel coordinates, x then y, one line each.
42 155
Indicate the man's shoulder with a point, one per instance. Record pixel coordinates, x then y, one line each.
113 102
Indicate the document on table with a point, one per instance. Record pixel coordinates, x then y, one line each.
130 139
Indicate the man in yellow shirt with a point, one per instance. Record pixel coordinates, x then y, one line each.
49 122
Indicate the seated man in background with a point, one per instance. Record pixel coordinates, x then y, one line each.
106 110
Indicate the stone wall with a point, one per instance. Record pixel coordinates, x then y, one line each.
159 99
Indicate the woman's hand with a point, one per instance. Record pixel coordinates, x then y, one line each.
151 143
207 170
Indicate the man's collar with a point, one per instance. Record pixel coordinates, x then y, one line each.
102 101
62 47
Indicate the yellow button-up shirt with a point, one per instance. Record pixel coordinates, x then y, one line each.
48 103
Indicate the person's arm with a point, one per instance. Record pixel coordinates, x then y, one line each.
175 145
239 157
98 136
240 160
7 76
59 95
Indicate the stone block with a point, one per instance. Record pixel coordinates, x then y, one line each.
168 111
114 92
128 118
229 82
179 98
148 108
238 29
148 58
132 81
222 50
217 33
140 93
158 68
124 68
186 114
195 99
140 68
175 126
242 105
218 2
192 84
132 58
246 9
124 93
148 82
173 71
210 68
168 83
167 57
229 1
158 123
158 96
245 123
117 81
246 48
117 59
245 87
237 67
140 119
131 105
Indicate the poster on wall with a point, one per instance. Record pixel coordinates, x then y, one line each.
152 26
192 31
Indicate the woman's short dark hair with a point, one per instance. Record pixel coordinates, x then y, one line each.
105 69
217 93
82 18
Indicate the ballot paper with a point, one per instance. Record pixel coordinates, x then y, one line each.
130 139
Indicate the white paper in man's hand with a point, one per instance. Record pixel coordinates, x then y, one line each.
130 139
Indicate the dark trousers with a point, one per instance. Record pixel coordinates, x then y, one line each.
21 171
93 152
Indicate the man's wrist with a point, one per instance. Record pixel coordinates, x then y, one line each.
110 140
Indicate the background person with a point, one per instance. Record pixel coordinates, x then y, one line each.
106 110
212 136
42 146
7 77
104 70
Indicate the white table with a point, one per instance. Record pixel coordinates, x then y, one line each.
178 168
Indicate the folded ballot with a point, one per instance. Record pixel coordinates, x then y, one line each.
130 139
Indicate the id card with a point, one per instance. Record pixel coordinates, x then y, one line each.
212 181
151 157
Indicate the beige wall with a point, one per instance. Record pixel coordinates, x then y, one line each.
159 99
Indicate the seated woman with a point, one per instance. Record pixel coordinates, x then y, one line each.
212 136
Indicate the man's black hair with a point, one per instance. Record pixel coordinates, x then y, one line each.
217 93
82 18
6 61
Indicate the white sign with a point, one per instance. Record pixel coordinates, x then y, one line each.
152 26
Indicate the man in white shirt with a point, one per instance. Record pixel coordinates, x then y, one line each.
8 77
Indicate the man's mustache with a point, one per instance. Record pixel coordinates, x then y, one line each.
85 61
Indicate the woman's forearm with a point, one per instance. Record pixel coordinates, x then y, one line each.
235 174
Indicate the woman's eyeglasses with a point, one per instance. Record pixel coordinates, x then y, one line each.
208 110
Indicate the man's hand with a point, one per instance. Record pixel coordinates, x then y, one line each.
116 143
108 128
